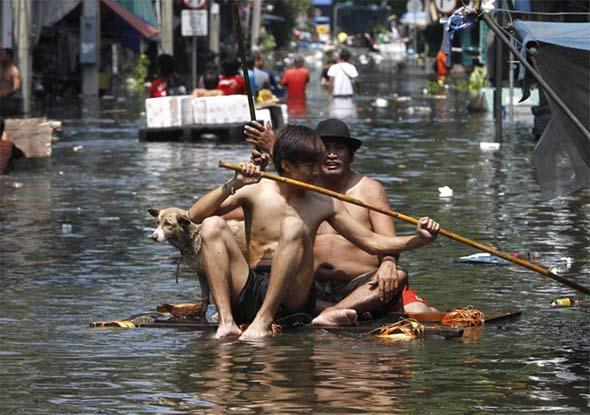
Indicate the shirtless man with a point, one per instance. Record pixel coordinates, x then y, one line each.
9 74
345 274
281 224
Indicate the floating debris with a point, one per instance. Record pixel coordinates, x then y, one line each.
486 146
565 302
445 191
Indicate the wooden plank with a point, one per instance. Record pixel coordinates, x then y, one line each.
364 327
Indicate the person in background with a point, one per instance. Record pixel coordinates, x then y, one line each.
10 85
9 74
168 82
231 82
296 79
342 76
440 67
261 77
259 64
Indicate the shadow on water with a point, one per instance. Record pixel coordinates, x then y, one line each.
74 248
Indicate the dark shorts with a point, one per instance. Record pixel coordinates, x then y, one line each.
252 296
335 291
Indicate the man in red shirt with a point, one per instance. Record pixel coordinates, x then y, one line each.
296 80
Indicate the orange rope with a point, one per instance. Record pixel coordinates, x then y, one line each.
463 317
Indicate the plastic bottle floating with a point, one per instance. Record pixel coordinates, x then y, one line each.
565 302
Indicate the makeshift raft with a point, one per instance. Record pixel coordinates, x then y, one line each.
431 322
28 137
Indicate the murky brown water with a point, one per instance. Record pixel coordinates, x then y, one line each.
55 281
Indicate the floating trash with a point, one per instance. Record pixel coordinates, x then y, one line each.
381 103
66 228
77 148
16 185
568 261
445 191
565 302
486 146
483 258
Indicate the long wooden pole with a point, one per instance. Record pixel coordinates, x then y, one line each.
414 221
237 22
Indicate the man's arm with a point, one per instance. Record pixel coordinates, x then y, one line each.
225 198
15 79
345 225
386 277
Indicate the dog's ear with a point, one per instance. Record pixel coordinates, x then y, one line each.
154 212
183 219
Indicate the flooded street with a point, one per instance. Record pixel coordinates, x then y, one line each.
74 249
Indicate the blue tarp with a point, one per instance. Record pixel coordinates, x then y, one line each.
562 55
568 35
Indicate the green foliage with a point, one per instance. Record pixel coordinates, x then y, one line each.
135 73
435 88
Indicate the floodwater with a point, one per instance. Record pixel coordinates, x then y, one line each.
75 248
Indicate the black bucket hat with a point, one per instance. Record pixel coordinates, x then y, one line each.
333 128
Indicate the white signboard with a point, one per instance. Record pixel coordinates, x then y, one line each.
445 6
193 23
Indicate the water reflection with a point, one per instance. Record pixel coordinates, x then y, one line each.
343 108
296 373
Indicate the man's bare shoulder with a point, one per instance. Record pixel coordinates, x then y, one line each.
368 186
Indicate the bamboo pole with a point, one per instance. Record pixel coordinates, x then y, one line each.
414 221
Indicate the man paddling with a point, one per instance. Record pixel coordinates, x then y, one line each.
346 276
281 224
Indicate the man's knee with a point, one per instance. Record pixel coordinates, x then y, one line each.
292 229
212 228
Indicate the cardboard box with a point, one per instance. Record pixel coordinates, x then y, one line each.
172 111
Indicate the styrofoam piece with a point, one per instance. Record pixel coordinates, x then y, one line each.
445 191
221 109
487 146
173 111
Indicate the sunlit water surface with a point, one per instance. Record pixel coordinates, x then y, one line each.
54 280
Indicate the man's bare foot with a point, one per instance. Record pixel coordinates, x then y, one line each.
227 330
418 307
336 317
256 332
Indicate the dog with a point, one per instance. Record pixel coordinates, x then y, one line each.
174 226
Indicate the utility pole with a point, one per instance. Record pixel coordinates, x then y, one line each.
498 80
167 27
256 11
24 62
89 53
214 29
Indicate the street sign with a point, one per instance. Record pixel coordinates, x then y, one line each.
445 6
193 23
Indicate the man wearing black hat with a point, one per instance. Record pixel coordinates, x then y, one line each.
346 276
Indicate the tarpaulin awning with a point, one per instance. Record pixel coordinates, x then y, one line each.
143 27
562 54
